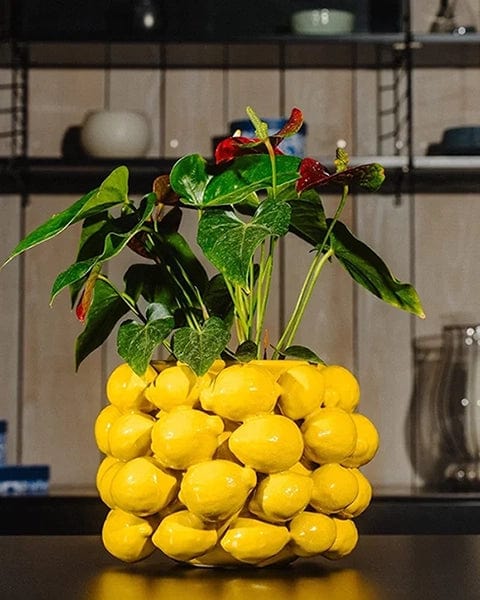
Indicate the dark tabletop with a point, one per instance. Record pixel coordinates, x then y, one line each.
383 567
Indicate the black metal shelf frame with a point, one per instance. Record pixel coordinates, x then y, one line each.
392 56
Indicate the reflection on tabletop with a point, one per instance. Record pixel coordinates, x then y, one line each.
308 582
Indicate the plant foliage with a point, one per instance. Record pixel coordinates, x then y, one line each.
250 198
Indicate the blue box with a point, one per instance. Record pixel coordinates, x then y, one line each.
294 145
24 480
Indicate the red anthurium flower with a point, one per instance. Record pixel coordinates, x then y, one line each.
314 174
86 298
292 126
81 309
235 146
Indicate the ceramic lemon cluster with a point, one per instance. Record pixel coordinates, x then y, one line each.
251 463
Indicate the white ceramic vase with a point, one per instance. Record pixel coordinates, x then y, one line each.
115 134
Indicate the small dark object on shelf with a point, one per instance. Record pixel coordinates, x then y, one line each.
71 146
457 141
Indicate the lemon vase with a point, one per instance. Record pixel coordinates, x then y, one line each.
253 463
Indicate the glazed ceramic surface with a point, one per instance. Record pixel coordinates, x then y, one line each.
251 464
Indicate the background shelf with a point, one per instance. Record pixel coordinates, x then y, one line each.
430 174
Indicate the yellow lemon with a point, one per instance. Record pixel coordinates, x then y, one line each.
280 496
334 488
183 536
362 500
277 367
345 540
223 451
104 465
253 541
367 442
215 490
127 536
240 391
106 472
267 443
141 487
341 388
103 423
185 436
175 386
301 469
217 557
302 391
129 436
330 435
312 533
126 389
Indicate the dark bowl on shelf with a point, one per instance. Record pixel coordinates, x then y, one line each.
458 141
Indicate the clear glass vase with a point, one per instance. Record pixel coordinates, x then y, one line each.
424 431
444 419
457 397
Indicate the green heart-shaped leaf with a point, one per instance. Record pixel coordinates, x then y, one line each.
217 299
189 179
136 342
308 219
369 270
153 283
174 250
302 353
199 349
112 192
114 240
247 351
106 309
248 174
229 243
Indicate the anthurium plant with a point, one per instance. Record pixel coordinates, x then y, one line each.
246 201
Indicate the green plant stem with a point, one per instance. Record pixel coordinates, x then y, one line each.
241 326
304 297
273 162
252 297
321 257
263 293
338 212
132 305
188 292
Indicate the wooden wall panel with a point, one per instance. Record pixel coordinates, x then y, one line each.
59 99
325 96
364 112
383 340
447 256
258 88
59 406
423 12
10 294
194 110
453 94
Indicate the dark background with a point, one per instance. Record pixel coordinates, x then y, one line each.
121 20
